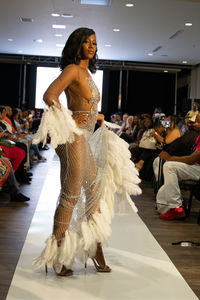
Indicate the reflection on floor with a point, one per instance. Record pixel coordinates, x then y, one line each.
140 268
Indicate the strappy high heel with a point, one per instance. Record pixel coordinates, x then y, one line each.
64 271
99 261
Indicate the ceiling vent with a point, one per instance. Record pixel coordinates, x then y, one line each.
96 2
28 20
157 49
177 33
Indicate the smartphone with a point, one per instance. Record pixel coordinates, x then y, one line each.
165 124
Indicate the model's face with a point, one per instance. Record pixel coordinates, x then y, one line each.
89 47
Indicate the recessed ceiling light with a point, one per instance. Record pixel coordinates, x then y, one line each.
184 62
165 71
19 51
59 26
59 35
10 40
60 45
38 41
55 15
107 45
116 29
129 4
188 24
150 54
66 16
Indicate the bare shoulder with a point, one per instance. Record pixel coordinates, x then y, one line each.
70 68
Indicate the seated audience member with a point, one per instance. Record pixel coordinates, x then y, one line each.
180 146
123 126
167 131
182 123
8 181
118 120
131 131
148 150
176 168
195 110
14 150
157 112
140 131
6 119
133 147
22 126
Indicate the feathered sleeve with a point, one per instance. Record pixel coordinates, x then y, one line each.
59 124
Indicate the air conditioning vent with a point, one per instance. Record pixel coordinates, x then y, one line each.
157 48
29 20
177 33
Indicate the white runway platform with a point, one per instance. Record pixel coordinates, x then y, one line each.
140 268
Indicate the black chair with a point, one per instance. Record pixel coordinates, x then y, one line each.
193 186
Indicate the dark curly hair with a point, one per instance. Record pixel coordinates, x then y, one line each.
72 52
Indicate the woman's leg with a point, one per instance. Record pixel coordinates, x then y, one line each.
93 194
73 165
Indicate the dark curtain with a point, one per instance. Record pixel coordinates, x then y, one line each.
183 103
147 90
10 78
110 92
31 86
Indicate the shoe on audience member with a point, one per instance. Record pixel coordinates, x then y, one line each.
29 174
18 198
42 158
34 158
24 179
45 147
173 214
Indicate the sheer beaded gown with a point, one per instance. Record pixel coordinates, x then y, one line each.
95 170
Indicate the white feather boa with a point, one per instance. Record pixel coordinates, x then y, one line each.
59 124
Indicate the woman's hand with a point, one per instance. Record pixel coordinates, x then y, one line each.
164 155
128 131
80 119
153 134
4 134
52 102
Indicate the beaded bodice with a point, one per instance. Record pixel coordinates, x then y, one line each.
93 112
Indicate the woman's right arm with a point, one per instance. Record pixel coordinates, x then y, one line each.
68 75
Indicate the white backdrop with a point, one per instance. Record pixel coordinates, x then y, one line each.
45 75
